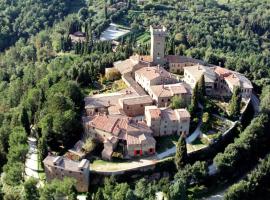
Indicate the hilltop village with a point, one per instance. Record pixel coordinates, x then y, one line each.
132 119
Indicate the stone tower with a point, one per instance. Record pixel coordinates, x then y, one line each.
158 35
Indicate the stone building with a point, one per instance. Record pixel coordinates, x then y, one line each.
177 63
218 81
165 121
228 80
148 76
163 94
134 106
60 167
158 35
135 137
194 73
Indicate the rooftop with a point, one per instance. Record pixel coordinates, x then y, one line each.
151 73
198 70
169 90
65 163
167 113
119 124
145 99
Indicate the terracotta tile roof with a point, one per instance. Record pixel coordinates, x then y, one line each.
146 99
106 123
222 71
168 90
183 113
167 113
155 113
151 73
146 58
141 139
125 65
118 124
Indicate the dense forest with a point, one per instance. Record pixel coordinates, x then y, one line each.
44 77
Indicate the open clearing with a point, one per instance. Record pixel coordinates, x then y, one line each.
113 32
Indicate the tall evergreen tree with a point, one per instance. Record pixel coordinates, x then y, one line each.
201 88
235 103
25 121
181 153
194 100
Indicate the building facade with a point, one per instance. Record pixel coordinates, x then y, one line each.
60 167
134 106
158 35
165 121
163 94
148 76
177 63
135 137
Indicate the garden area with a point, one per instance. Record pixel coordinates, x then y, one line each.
213 126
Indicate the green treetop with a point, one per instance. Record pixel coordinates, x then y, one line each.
180 158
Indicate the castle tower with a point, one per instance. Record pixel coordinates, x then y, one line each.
158 35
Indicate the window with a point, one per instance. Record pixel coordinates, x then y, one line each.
127 107
141 105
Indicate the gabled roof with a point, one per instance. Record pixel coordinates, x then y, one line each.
151 73
168 90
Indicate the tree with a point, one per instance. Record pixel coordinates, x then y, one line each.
201 88
30 189
58 189
13 173
180 158
235 103
194 100
25 120
83 14
178 190
89 145
177 102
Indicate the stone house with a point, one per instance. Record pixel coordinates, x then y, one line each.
177 63
134 106
193 74
163 94
165 121
218 81
136 137
148 76
60 167
228 80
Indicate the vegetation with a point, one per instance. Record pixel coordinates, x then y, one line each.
42 74
181 153
235 104
177 102
254 186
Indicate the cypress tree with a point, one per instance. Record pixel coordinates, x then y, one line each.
194 100
181 153
201 87
235 103
25 121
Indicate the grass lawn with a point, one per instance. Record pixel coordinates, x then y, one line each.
197 144
144 38
166 142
